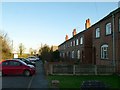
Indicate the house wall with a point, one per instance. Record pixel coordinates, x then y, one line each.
104 39
107 39
85 48
91 48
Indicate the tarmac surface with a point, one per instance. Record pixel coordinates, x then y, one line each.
36 81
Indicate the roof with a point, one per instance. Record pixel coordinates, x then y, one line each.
109 15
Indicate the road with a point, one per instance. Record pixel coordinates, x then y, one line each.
36 81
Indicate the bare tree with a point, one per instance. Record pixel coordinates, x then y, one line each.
5 46
21 48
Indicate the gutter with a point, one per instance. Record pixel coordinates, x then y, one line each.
113 21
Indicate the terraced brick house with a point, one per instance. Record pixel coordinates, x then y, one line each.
98 44
79 47
106 40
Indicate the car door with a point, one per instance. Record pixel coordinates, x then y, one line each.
15 67
5 67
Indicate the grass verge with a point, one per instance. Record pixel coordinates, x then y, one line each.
113 81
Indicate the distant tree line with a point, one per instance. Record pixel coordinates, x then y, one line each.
46 54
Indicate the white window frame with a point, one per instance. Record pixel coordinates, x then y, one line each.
73 54
97 32
77 41
81 40
78 54
71 43
104 51
74 43
108 29
119 24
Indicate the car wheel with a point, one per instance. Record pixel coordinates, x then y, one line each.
27 73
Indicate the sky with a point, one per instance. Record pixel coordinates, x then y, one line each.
36 23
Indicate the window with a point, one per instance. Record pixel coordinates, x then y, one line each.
63 55
104 52
71 43
5 63
108 28
67 54
81 40
78 54
68 44
76 41
72 54
14 63
64 46
60 55
119 24
97 32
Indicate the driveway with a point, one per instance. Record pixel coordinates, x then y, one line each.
39 80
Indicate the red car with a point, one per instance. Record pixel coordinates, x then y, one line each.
16 67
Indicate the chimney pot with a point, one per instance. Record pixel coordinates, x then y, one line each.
87 24
66 38
74 32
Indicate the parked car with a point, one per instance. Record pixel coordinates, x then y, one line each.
16 67
26 61
33 58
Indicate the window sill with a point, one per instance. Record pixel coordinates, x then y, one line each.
105 59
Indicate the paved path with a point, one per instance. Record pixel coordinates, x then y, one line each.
39 80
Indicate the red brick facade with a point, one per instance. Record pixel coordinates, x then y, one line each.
101 42
112 40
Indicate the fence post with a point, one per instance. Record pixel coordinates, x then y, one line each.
51 69
95 69
73 69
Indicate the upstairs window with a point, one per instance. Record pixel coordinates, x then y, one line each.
64 46
77 41
104 52
108 28
81 40
97 32
63 55
71 43
119 24
60 54
74 43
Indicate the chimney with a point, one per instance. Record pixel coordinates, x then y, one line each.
87 24
66 38
74 32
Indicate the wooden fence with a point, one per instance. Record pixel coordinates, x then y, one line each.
72 69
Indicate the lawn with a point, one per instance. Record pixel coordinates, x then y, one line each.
75 81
